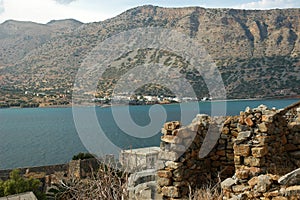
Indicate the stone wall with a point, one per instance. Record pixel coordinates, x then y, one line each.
259 142
181 165
47 170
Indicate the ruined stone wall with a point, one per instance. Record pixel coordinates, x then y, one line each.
181 167
51 169
261 142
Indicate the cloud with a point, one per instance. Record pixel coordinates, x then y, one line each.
270 4
64 1
1 6
47 10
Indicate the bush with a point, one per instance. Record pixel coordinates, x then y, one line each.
17 184
83 156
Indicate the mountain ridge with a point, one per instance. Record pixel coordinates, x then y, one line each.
250 48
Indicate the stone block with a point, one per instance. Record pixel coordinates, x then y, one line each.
249 122
164 181
173 165
254 171
253 161
171 191
267 118
293 191
240 188
242 136
171 156
228 183
171 139
237 160
263 183
170 126
242 173
241 150
262 127
259 152
225 130
164 174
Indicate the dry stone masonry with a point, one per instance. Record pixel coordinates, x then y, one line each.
253 155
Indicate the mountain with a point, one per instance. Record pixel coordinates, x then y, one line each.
256 51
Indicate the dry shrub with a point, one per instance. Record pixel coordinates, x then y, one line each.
207 193
108 183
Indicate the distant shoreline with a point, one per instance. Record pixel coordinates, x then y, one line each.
109 105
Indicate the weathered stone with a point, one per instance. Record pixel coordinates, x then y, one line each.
228 121
259 152
228 183
253 181
240 188
164 181
249 122
173 165
262 127
225 130
279 198
171 139
171 156
274 193
242 136
170 126
171 191
234 133
165 132
267 118
254 171
237 160
292 178
241 150
178 172
241 128
253 162
242 173
263 184
164 174
293 190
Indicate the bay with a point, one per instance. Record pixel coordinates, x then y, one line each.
45 136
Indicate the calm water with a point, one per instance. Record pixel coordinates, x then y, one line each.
43 136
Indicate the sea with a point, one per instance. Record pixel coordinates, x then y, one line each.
46 136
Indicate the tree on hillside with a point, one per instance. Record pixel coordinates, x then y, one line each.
17 184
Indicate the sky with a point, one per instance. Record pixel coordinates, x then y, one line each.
43 11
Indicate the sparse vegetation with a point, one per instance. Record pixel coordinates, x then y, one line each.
17 184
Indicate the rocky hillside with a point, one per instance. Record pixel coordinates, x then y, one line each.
257 52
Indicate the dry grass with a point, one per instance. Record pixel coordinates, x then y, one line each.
107 183
208 193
